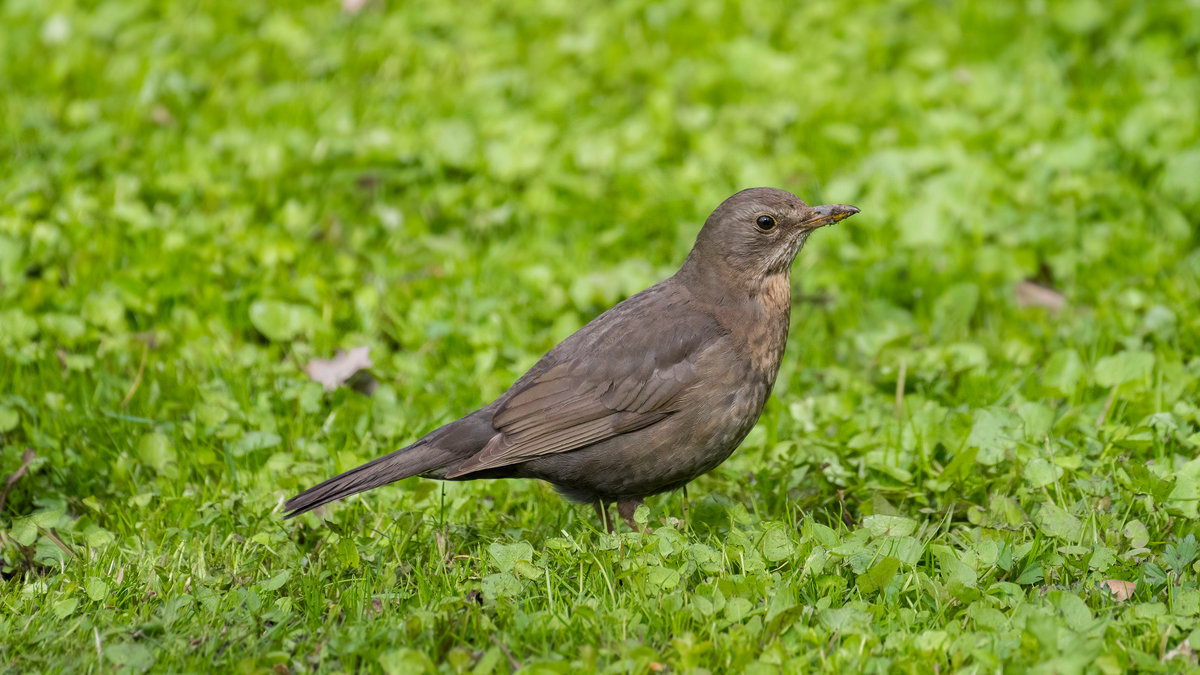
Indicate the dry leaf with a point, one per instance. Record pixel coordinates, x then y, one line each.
1121 590
1030 294
334 372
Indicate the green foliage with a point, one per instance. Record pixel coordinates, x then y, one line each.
197 199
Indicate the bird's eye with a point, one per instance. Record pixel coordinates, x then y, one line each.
765 223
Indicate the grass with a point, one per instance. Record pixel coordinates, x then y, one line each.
198 198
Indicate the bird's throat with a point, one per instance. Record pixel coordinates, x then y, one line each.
770 333
775 293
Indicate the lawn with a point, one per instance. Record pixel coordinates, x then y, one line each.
980 455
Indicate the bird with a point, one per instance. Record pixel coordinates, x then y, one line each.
652 393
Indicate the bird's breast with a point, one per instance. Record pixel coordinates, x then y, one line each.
767 335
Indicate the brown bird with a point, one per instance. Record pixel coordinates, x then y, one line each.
647 396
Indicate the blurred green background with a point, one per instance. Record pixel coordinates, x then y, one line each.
957 468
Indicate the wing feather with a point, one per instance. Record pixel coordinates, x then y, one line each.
612 383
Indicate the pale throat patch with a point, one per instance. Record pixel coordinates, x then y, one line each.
776 292
770 335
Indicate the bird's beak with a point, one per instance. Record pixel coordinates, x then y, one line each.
828 215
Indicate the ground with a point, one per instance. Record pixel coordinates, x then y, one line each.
981 453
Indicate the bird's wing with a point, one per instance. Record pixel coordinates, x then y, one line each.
619 378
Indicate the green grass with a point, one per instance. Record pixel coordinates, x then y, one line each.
197 198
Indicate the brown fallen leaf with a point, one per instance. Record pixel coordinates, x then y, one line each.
1120 589
336 371
1030 294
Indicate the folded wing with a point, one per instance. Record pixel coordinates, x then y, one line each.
613 384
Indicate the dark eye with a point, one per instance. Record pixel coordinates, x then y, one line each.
765 223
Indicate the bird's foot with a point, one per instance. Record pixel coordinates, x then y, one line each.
627 508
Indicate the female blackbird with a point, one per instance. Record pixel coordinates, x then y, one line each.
647 396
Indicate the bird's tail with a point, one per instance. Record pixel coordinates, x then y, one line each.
410 461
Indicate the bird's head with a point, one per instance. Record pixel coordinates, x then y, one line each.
757 233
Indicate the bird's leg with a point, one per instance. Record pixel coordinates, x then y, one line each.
687 511
602 511
626 507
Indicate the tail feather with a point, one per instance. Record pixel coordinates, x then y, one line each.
441 448
410 461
